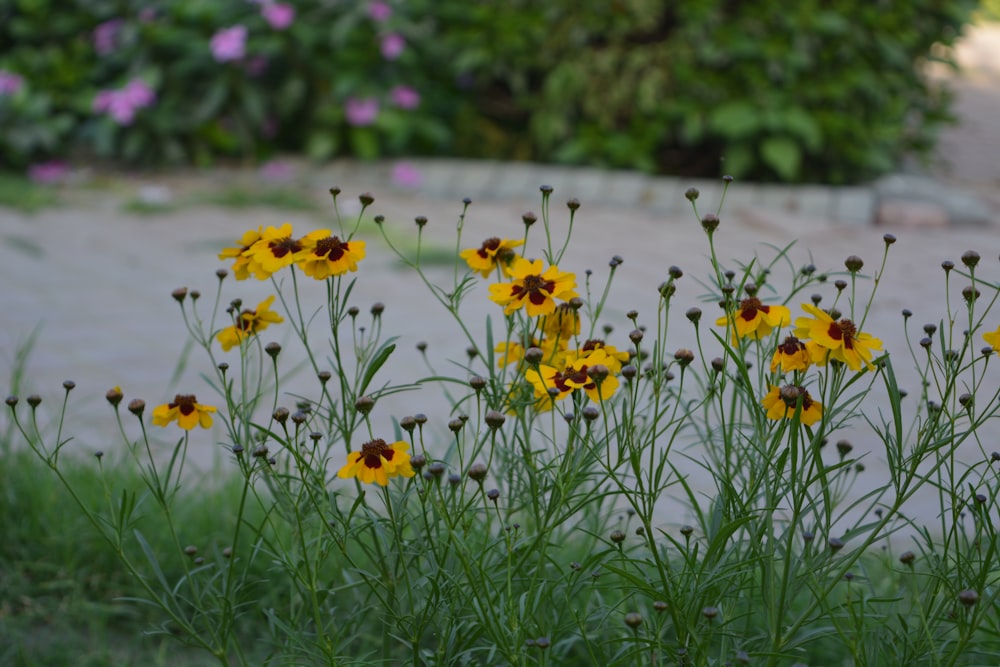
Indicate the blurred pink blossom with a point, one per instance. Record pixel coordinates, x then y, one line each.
393 45
405 97
405 175
278 15
276 170
361 111
106 36
147 15
48 172
122 104
229 43
379 11
10 83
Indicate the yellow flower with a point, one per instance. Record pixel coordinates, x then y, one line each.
493 253
249 323
564 323
323 255
614 359
512 352
240 267
839 340
186 409
532 288
993 339
274 250
377 462
754 320
791 355
590 373
781 402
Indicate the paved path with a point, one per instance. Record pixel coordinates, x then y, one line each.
97 279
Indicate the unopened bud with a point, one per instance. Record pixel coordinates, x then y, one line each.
136 406
179 294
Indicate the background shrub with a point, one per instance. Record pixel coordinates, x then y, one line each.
819 91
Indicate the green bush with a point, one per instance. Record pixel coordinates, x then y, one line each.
816 91
809 91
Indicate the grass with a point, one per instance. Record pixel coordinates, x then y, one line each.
18 193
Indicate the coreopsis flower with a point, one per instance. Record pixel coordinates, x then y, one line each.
323 255
839 340
993 338
241 267
187 412
532 288
563 323
377 462
493 253
275 250
577 374
791 355
781 403
755 320
249 323
614 359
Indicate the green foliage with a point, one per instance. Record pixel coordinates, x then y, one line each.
818 91
813 91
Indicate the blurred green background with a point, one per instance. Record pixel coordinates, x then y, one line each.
830 91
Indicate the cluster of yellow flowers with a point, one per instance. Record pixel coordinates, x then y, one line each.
529 285
816 340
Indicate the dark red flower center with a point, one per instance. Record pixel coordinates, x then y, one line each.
247 321
749 308
536 288
843 330
185 403
373 452
792 345
592 344
489 247
332 248
281 247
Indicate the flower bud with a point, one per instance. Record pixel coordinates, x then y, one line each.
710 612
529 219
455 425
889 239
477 472
114 396
534 355
691 194
968 597
281 415
364 404
970 258
221 274
421 221
11 400
573 204
418 461
835 544
136 406
494 419
273 350
693 314
34 400
179 294
853 263
366 199
493 495
635 336
907 558
684 356
633 620
710 222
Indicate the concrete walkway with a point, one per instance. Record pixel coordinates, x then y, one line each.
96 279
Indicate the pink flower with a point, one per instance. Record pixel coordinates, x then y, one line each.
229 43
106 36
10 83
147 15
361 111
405 97
393 45
138 93
379 11
48 172
278 14
405 175
122 104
